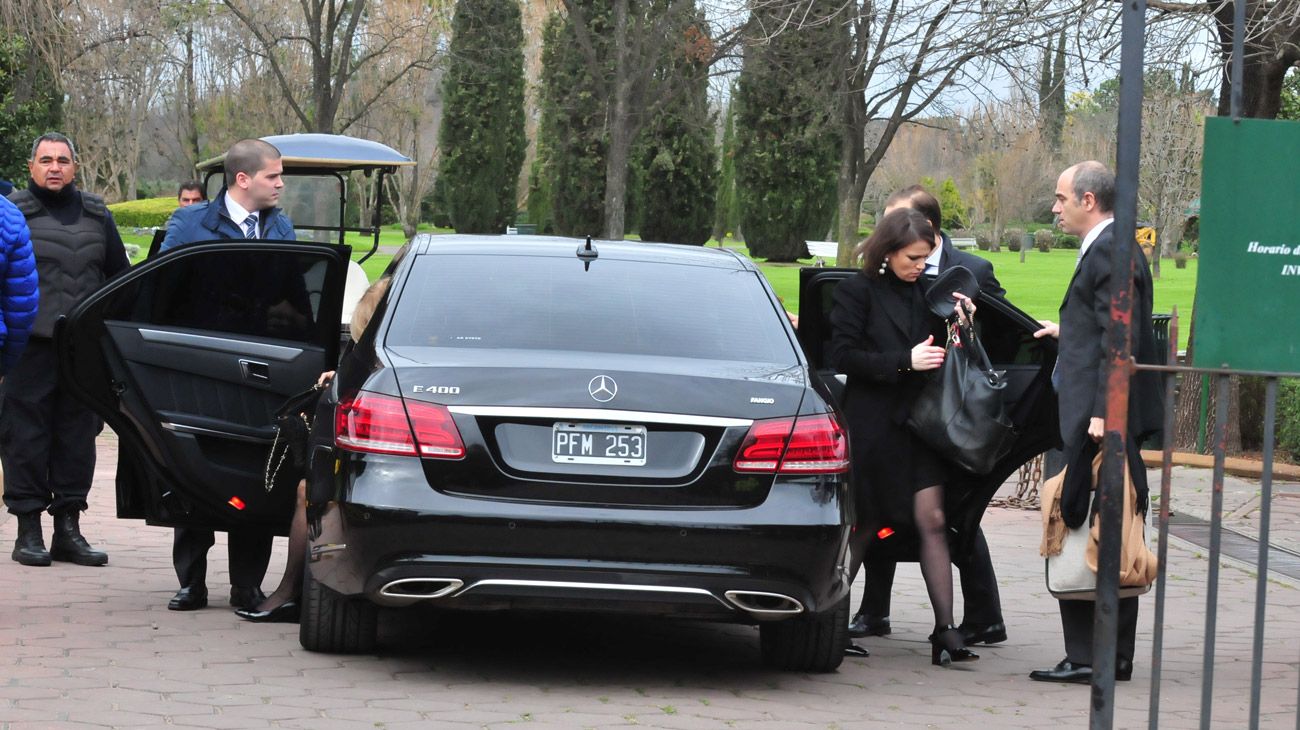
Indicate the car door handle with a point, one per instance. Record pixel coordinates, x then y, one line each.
257 372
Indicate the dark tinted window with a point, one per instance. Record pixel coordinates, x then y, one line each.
259 293
551 303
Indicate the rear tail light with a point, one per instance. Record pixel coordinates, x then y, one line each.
814 444
385 424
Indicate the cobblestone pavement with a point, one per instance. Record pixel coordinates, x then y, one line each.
96 647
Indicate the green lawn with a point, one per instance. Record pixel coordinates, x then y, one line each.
1035 286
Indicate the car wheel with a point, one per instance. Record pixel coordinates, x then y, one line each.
334 623
812 643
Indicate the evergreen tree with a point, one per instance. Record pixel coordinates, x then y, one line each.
1051 93
30 104
675 157
482 135
724 215
952 209
572 132
786 146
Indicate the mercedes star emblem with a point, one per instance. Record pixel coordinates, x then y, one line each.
602 388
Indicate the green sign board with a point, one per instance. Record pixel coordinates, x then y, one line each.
1248 278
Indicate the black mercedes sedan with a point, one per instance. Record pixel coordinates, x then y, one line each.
526 423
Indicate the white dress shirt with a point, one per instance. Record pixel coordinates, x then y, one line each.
238 214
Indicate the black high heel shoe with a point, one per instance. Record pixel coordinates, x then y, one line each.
948 645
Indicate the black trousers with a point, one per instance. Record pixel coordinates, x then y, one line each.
249 552
47 439
1076 623
979 585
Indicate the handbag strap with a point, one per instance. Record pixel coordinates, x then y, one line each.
975 349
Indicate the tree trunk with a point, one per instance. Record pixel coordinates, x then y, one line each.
616 157
852 184
190 128
1188 409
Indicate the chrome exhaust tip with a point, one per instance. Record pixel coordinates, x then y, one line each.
420 589
760 603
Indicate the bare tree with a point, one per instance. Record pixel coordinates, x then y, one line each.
1172 130
904 61
407 120
1272 45
337 40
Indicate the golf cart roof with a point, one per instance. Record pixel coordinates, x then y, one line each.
324 153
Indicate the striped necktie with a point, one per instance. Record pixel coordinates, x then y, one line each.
250 226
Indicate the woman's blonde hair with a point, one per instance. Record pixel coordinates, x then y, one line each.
365 308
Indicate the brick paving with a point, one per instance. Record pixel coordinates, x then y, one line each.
84 647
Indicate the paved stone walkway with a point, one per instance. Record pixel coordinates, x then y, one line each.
96 647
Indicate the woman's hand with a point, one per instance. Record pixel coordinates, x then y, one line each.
324 378
965 308
926 356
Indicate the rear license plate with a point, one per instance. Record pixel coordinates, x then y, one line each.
598 443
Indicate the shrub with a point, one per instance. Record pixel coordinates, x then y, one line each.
1013 237
1043 240
1065 240
147 213
1288 417
983 240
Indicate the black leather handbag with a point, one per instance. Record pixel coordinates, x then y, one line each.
960 412
292 433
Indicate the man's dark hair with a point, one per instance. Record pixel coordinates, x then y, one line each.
918 198
1093 177
54 137
248 156
899 229
192 185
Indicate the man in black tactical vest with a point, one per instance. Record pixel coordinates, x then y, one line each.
47 439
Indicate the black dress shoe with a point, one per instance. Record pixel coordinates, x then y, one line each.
987 634
1123 669
864 625
189 598
285 613
1066 671
246 597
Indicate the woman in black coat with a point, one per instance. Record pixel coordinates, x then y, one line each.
883 337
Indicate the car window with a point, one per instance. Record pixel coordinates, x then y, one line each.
552 303
259 293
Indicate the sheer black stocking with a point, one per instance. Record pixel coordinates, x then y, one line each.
936 566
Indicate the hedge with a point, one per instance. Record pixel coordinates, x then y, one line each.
147 213
1288 417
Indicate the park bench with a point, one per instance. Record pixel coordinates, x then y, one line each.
822 250
964 243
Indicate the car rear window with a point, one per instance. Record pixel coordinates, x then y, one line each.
552 303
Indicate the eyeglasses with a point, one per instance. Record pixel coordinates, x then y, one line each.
51 161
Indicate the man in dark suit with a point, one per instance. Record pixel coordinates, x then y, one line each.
982 622
244 209
1085 198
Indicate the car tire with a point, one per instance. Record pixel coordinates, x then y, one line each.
812 643
334 623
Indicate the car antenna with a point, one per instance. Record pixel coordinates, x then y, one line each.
587 253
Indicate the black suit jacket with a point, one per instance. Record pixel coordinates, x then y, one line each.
981 268
1081 356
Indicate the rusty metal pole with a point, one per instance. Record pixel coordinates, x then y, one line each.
1119 369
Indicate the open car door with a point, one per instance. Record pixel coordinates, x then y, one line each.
187 356
1008 335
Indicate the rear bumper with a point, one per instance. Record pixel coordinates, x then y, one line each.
397 546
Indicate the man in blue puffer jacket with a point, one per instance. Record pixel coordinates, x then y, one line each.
18 293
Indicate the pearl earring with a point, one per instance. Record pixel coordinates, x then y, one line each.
884 266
